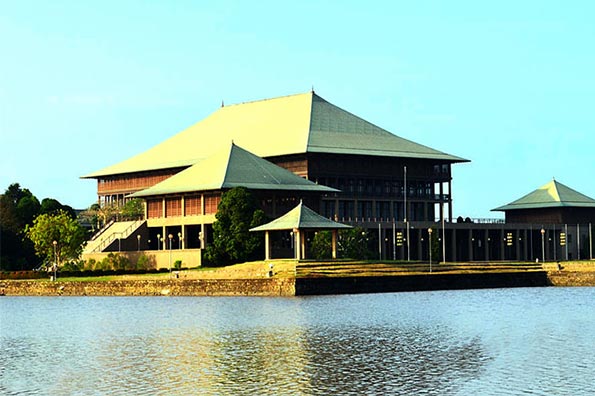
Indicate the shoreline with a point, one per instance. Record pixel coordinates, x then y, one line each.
300 286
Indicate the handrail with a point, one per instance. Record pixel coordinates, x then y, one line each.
114 235
102 230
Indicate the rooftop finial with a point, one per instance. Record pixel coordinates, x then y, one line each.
313 88
222 103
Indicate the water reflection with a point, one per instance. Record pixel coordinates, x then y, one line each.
401 344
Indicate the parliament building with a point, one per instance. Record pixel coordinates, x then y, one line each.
301 148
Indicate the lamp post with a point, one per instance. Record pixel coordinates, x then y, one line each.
55 243
170 236
179 240
543 245
158 240
138 245
430 246
405 210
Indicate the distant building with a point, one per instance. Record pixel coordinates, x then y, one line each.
303 148
553 203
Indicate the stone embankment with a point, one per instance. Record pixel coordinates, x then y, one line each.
173 287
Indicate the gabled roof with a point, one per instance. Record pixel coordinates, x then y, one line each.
232 167
301 217
552 195
292 124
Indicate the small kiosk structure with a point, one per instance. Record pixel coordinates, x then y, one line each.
299 220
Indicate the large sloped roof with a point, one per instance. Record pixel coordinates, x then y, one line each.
552 195
292 124
231 167
302 218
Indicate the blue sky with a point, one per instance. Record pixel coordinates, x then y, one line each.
510 86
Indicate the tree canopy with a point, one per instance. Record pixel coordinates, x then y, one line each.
352 243
232 241
60 227
18 209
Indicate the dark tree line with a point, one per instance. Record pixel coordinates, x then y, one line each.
18 209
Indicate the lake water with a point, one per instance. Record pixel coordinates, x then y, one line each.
530 341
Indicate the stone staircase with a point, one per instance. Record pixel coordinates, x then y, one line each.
107 236
359 268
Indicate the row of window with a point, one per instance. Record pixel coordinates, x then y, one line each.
173 206
380 188
388 210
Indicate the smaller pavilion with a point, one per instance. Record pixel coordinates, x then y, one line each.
552 203
298 220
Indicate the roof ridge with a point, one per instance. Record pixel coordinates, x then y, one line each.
269 99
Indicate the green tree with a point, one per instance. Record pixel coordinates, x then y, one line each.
18 207
51 205
353 243
60 227
321 247
238 211
133 209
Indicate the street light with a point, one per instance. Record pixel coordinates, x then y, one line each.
138 245
179 240
170 236
543 245
55 243
158 240
430 246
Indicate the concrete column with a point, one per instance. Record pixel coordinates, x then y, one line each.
420 245
486 244
471 245
450 201
183 208
453 239
518 241
164 240
502 246
441 205
334 244
267 247
203 241
163 209
525 243
302 245
183 241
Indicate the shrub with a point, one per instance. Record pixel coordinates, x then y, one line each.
90 264
178 264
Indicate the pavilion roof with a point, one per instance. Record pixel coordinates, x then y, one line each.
232 167
301 217
551 195
295 124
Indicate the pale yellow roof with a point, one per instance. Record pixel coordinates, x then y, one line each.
292 124
231 167
551 195
301 218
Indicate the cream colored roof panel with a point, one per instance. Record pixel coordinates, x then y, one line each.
551 195
292 124
301 217
231 167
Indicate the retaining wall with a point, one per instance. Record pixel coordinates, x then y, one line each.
173 287
382 284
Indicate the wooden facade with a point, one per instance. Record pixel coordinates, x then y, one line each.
373 188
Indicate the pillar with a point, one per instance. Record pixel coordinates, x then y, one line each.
486 244
450 201
334 244
470 245
453 239
267 247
